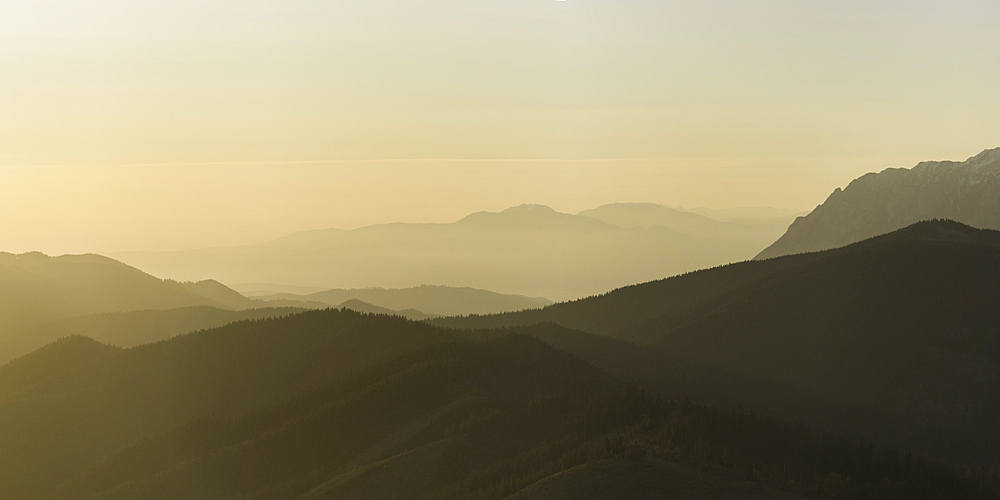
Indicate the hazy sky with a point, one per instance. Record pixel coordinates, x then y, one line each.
707 102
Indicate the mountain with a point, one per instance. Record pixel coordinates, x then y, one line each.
749 214
738 238
357 305
406 404
129 329
613 312
43 298
426 299
336 404
746 233
52 361
258 289
220 294
34 286
875 204
896 334
905 326
58 426
530 250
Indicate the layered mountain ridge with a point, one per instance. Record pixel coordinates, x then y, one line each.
529 250
878 203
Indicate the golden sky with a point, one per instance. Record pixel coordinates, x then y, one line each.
165 124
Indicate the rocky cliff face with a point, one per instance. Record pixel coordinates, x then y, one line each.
968 192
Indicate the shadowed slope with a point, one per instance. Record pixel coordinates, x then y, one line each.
55 427
290 449
614 311
895 336
619 312
54 360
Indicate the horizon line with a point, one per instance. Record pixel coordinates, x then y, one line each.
443 160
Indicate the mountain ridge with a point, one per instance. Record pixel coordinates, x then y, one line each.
878 203
529 250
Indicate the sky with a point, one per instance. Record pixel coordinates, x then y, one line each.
173 124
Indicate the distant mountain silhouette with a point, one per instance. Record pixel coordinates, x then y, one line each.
748 233
530 218
968 192
426 299
739 237
39 292
364 307
220 294
530 250
258 289
749 214
34 287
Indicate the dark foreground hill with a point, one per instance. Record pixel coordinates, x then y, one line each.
56 425
380 407
898 335
129 329
879 203
444 419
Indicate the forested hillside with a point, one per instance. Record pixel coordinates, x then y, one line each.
338 404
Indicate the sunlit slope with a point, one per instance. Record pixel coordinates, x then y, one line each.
58 425
37 287
878 203
43 298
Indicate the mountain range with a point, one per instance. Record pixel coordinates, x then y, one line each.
898 333
866 369
878 203
529 250
423 300
43 298
339 404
